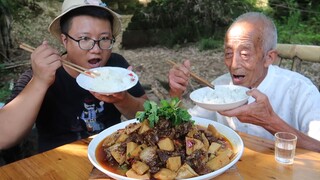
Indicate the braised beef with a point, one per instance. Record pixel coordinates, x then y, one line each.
122 148
210 137
151 137
109 158
198 135
182 129
135 137
197 161
152 162
163 155
154 169
163 124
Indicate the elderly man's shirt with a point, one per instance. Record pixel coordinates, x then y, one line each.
293 97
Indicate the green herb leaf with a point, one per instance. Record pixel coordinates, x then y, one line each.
168 109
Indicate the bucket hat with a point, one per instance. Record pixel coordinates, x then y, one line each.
69 5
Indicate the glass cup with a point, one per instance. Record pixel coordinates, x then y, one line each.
285 147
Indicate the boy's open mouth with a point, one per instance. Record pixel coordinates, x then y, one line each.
94 61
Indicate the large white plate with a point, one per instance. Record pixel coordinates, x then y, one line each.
230 134
224 97
111 80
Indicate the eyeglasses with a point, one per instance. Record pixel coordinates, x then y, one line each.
88 43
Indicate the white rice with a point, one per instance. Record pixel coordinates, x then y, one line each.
111 80
224 95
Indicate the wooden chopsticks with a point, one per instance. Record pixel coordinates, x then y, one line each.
66 63
196 77
27 47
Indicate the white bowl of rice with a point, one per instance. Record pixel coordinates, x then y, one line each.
111 80
223 97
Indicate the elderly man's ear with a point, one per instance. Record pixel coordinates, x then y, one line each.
271 57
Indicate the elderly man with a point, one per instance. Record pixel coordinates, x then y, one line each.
281 100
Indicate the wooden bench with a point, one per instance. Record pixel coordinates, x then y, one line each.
292 56
298 53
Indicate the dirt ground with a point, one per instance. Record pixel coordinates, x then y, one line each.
151 66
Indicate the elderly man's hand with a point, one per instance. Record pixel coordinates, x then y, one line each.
259 112
45 60
178 78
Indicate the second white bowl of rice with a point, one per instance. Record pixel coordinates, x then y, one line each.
223 97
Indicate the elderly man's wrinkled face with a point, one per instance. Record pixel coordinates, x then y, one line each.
244 54
84 27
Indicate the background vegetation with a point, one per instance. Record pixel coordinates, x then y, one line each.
170 23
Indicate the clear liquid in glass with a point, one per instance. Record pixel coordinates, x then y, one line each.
284 153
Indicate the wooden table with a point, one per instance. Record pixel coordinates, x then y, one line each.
257 162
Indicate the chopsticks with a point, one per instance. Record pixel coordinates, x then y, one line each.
27 47
75 67
80 69
196 77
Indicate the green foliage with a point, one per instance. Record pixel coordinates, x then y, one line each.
5 90
150 112
123 6
170 22
284 8
298 27
4 93
210 43
168 109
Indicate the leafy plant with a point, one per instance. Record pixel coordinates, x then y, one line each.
167 22
210 43
297 28
5 91
168 109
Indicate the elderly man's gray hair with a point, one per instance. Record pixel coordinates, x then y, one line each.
269 30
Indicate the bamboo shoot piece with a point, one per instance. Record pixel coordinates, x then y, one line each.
193 144
185 172
165 174
132 174
140 167
173 163
166 144
131 146
116 154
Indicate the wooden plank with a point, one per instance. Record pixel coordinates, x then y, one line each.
303 52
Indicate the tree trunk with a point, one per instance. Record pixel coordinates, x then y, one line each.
5 29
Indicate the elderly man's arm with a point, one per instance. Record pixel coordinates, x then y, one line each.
304 141
262 114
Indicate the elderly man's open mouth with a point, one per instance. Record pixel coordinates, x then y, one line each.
238 78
